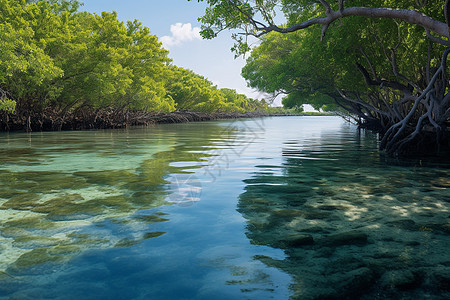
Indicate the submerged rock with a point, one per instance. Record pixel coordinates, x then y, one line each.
341 285
286 213
446 228
442 182
399 279
404 224
300 227
356 283
353 237
442 278
317 214
333 207
298 240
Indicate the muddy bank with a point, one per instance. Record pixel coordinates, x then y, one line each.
52 119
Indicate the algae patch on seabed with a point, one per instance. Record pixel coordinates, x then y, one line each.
50 216
150 218
370 237
129 242
30 223
52 211
62 194
43 255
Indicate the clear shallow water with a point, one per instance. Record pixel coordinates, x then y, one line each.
301 207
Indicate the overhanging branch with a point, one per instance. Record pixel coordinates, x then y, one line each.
387 83
411 16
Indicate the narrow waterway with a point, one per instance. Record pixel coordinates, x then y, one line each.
269 208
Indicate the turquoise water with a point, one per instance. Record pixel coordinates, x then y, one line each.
272 208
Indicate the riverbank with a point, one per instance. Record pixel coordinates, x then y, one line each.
52 120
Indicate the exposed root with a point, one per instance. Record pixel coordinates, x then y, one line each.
50 119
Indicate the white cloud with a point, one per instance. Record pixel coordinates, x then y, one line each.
181 33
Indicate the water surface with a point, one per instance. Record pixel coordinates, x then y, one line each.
300 207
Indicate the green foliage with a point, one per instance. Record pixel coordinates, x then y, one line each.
25 66
232 14
108 64
7 105
284 111
188 89
53 55
191 91
309 70
302 67
295 111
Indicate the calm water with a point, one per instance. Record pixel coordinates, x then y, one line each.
273 208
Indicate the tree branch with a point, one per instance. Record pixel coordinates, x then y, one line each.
341 5
410 16
327 6
392 84
397 73
437 39
362 103
254 22
372 69
447 14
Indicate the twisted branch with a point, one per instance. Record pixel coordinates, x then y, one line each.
410 16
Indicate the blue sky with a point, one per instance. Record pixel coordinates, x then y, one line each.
210 58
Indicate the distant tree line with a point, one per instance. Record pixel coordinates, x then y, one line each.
55 59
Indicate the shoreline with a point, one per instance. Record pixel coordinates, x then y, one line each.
52 120
90 119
